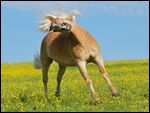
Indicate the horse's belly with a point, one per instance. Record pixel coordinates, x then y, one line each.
67 61
61 56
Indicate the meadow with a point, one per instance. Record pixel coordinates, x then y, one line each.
22 88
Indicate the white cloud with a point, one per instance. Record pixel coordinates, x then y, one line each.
115 7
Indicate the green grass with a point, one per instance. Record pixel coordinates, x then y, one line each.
22 88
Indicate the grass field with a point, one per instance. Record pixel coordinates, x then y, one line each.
22 88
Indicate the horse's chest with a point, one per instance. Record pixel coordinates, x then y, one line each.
80 52
61 55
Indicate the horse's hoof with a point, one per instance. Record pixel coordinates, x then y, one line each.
116 94
95 101
57 94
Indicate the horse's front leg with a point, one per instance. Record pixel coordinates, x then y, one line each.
82 68
99 62
45 62
59 78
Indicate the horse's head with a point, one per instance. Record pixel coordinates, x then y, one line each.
61 23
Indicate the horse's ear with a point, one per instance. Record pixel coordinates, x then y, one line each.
72 17
73 14
50 17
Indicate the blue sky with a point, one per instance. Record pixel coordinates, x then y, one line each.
120 28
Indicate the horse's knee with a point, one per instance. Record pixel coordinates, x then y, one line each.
89 82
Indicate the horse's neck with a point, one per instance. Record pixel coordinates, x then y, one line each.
79 34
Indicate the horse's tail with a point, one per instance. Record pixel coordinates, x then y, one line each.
37 61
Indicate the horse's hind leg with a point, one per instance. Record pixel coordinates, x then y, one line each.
59 78
83 70
45 66
99 62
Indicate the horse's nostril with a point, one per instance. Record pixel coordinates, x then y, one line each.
63 29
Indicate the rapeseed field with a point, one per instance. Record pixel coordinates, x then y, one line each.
22 88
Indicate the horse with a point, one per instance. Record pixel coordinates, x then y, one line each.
70 45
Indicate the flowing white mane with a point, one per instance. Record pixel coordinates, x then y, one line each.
45 24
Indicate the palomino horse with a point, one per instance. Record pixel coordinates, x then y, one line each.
71 46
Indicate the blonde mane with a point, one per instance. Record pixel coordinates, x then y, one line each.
45 24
